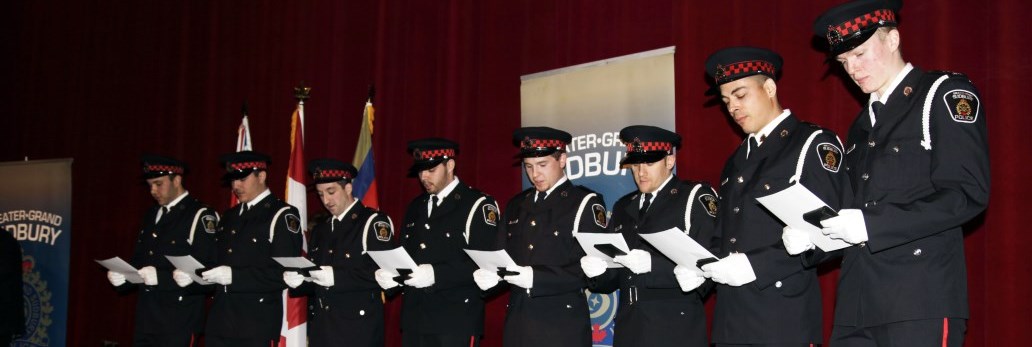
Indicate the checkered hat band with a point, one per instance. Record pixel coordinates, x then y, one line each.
165 168
859 23
542 143
333 174
434 153
731 71
642 147
247 165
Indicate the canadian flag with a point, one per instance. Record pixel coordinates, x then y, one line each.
293 332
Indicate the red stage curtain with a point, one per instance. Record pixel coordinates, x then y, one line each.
104 81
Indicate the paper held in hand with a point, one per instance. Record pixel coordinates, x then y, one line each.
792 203
680 248
493 261
598 244
189 265
394 259
118 265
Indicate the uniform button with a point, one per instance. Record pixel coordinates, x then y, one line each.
895 149
230 251
777 284
740 179
530 247
261 300
361 312
466 301
733 240
254 240
533 223
556 233
180 298
447 234
173 242
347 255
766 186
736 209
569 306
406 236
422 246
233 231
867 204
510 235
427 225
870 143
917 252
865 176
150 252
331 251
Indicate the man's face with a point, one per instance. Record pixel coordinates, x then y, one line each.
436 178
165 188
247 188
869 64
648 176
750 101
334 196
544 172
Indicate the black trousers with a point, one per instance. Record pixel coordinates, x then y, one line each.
438 340
771 345
217 341
184 339
945 332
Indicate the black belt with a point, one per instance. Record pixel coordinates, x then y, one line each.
634 294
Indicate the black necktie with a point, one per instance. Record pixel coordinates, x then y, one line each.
540 197
433 204
646 202
753 145
245 208
164 211
876 108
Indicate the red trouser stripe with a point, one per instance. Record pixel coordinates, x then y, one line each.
945 331
471 339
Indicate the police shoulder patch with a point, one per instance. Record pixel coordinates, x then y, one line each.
830 156
490 214
293 223
599 212
383 230
962 105
209 223
710 202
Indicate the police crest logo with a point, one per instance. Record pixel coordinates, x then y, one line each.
383 231
710 202
490 214
600 214
37 305
209 224
830 156
293 223
962 105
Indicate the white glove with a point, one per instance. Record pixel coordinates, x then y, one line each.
293 278
638 261
687 279
222 275
848 226
323 276
422 276
385 279
796 241
149 275
593 266
734 270
485 279
525 278
115 278
182 279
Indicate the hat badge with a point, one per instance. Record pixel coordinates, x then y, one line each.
834 36
417 153
318 173
636 145
528 142
721 72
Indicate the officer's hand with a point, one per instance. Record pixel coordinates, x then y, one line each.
687 279
848 226
149 275
638 261
323 276
293 278
222 275
485 279
422 276
115 278
524 278
796 241
734 270
182 279
385 279
592 266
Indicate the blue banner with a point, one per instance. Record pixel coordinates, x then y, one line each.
37 211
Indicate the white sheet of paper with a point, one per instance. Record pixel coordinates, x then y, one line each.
679 247
294 262
394 259
118 265
492 260
588 241
790 204
189 265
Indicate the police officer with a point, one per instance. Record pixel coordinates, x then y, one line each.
442 305
178 225
919 163
547 305
345 303
765 296
656 308
248 306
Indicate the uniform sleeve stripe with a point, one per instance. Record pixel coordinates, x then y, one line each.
688 209
469 219
272 226
193 228
926 132
365 231
580 212
802 157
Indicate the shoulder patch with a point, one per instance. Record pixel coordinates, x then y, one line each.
210 223
599 212
830 156
293 223
962 105
710 202
383 230
490 214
